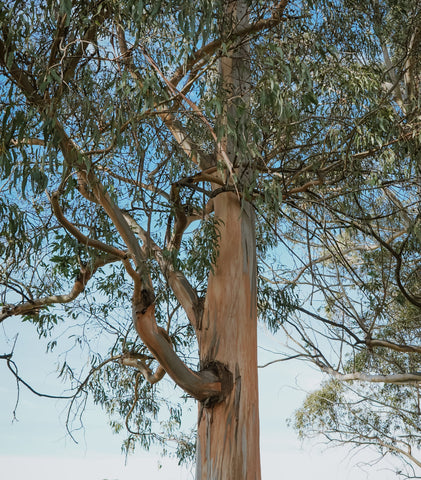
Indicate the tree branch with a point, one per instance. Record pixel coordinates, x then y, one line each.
203 385
372 342
136 183
14 369
134 360
143 289
190 148
89 37
178 283
212 47
84 240
356 248
394 448
396 378
32 306
18 76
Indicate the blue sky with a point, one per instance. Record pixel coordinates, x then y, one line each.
36 445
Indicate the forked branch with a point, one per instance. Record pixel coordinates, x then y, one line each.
138 361
178 283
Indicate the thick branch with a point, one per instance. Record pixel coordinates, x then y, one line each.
393 346
19 77
89 37
202 385
178 283
143 283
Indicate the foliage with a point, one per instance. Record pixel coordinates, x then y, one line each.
122 104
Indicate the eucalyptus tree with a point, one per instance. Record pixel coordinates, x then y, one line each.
173 171
363 258
130 120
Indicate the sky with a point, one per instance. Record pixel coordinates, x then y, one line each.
35 446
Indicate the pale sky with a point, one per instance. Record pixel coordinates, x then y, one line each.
36 446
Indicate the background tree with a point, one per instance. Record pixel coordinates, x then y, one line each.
363 262
172 170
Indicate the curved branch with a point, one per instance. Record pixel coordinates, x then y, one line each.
90 242
178 283
138 362
203 385
120 223
142 282
412 298
143 289
394 448
11 365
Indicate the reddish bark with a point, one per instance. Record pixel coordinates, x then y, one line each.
201 385
228 432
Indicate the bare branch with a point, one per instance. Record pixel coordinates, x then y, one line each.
396 449
14 369
356 248
278 360
396 378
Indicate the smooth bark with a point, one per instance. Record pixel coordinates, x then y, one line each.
228 432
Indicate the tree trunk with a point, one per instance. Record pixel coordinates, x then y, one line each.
228 432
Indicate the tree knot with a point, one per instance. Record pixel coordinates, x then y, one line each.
226 379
